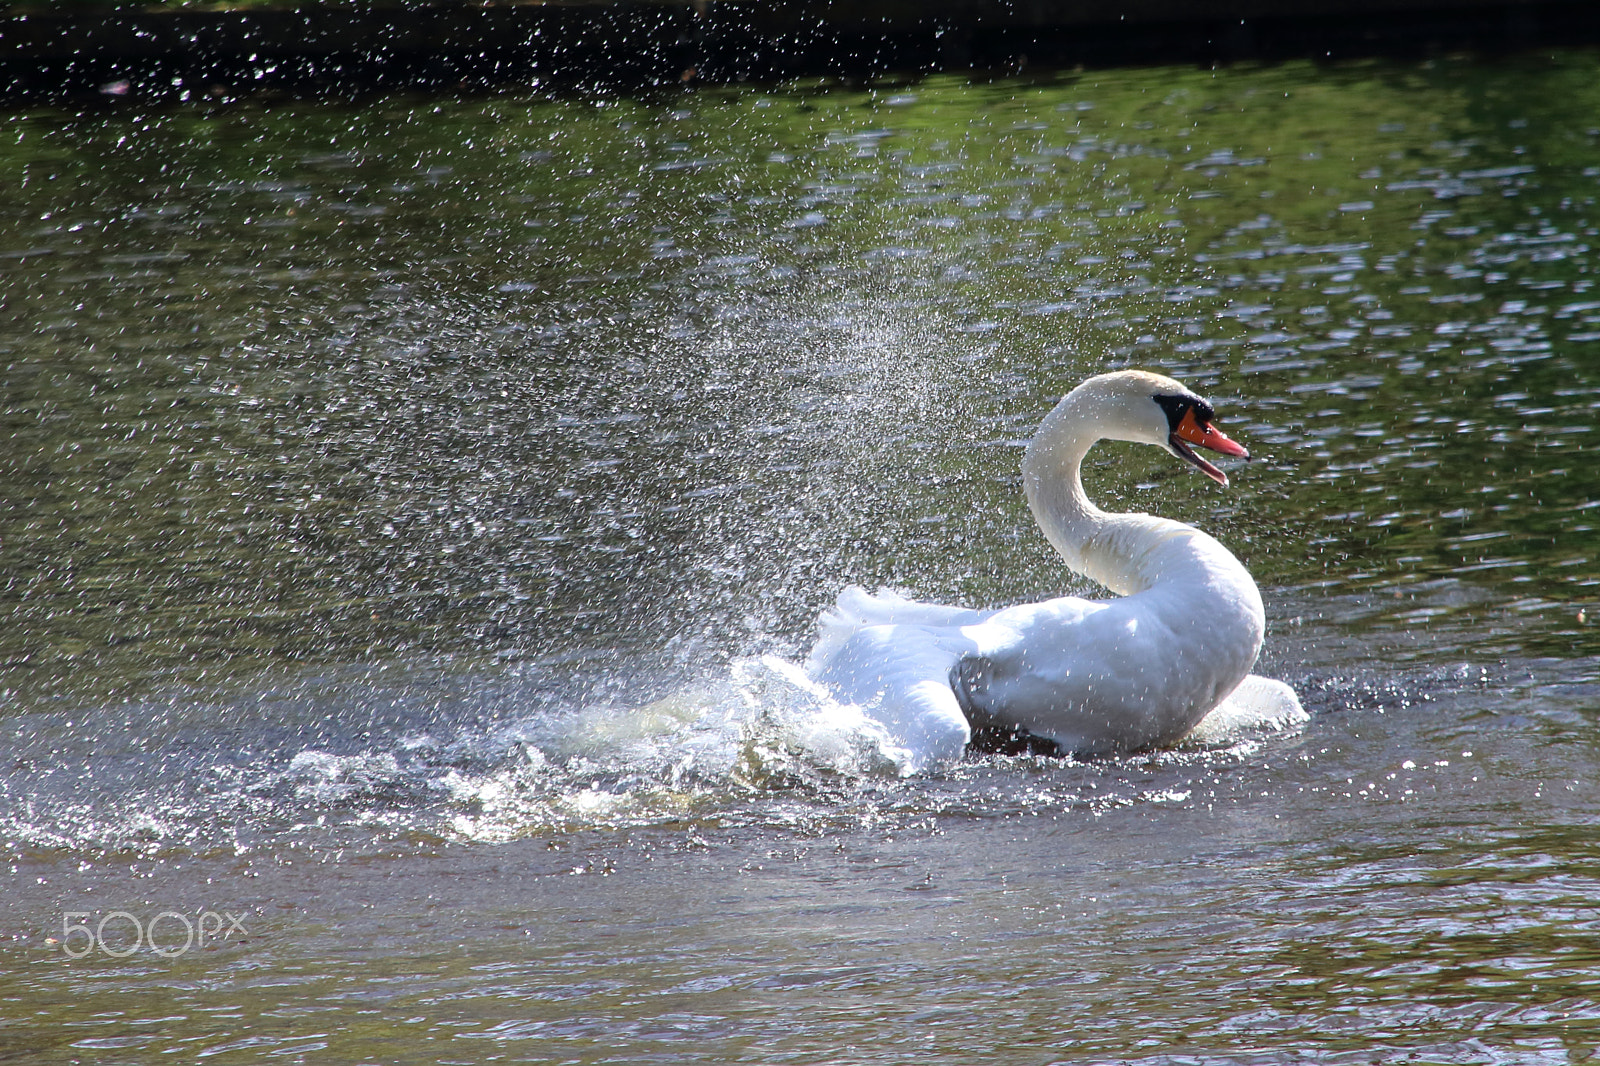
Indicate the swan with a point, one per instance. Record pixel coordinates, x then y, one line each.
1089 677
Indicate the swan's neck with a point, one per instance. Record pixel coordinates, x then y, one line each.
1127 553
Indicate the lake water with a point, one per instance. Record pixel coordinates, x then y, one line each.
400 495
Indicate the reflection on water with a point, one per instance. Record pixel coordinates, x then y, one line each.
399 496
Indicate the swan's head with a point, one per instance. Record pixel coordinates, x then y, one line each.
1136 405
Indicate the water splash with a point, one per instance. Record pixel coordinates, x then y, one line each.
756 743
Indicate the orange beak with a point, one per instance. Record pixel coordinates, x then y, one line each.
1192 431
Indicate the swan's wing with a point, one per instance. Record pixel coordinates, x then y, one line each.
1106 676
858 609
1093 676
892 657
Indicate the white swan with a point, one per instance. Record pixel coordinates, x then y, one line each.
1093 677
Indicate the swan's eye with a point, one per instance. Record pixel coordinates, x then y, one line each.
1178 406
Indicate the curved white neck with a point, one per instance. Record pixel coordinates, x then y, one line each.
1127 553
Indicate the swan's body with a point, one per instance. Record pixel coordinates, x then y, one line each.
1095 677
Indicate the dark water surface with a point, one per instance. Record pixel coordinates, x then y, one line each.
398 495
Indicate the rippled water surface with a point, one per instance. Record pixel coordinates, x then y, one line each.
406 503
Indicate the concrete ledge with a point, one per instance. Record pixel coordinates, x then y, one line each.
641 42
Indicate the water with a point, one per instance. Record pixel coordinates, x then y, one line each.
401 495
